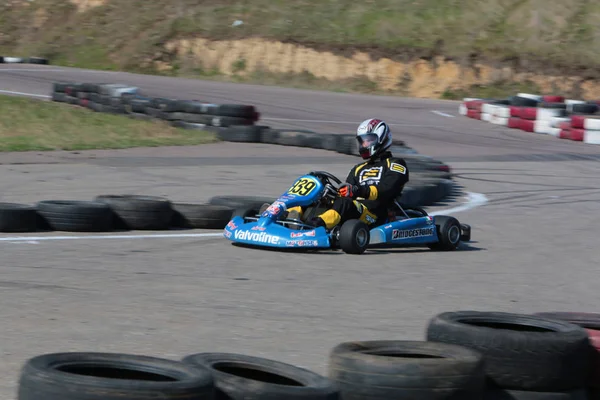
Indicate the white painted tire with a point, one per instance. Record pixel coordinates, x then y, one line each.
462 109
530 96
554 122
541 126
549 113
591 124
554 131
486 117
591 137
502 121
502 111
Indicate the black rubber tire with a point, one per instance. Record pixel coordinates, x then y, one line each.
192 118
91 376
156 113
330 141
230 121
523 101
584 108
559 106
139 104
585 320
163 103
269 136
18 218
245 212
241 201
408 370
140 212
503 394
60 86
522 352
38 60
201 216
76 215
348 145
248 134
294 138
60 97
241 377
447 227
140 116
189 125
349 241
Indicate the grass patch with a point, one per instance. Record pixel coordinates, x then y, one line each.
28 124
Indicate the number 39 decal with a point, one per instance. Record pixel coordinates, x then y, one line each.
302 187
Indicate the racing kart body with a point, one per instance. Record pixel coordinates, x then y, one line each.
315 190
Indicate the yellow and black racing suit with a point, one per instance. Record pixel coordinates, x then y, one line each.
379 180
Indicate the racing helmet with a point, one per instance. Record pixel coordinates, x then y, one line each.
374 137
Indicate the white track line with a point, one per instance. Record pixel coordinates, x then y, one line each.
30 70
26 94
84 237
442 114
473 200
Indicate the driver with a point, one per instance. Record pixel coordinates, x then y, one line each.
371 186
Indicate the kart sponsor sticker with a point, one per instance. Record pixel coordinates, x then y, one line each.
274 208
301 234
398 168
227 234
261 237
370 174
231 225
300 243
411 233
429 220
258 228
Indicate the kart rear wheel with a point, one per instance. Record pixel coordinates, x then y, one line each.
449 233
354 237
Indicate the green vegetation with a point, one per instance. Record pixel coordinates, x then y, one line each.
132 29
27 124
542 35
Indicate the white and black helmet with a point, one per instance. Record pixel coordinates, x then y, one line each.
374 137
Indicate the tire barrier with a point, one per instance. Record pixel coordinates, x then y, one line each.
464 355
570 119
107 213
21 60
237 123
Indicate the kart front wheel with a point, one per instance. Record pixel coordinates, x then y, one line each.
449 233
354 236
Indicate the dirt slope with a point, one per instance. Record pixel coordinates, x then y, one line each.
425 48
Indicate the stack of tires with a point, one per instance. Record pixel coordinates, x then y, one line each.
201 376
466 355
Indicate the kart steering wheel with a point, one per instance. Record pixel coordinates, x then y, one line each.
325 177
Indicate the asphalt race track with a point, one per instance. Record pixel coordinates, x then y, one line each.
534 242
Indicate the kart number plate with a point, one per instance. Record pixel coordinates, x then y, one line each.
303 187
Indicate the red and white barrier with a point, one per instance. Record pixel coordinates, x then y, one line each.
553 115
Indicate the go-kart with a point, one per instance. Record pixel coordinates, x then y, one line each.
404 226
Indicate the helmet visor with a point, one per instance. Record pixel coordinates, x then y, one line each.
367 140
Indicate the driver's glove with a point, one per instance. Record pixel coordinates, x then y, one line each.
349 190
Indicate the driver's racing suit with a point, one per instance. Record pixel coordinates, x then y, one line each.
380 181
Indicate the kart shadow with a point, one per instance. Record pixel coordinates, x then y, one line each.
383 249
410 250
